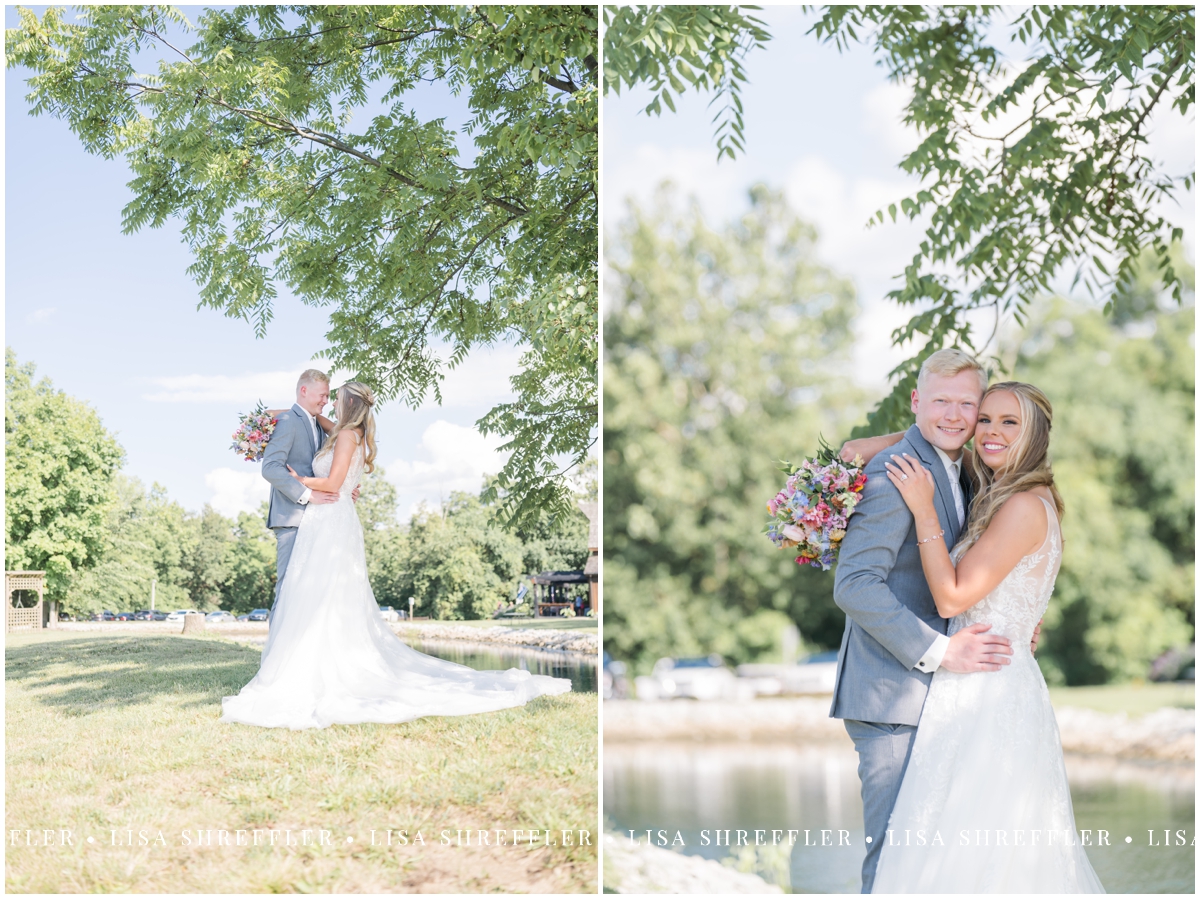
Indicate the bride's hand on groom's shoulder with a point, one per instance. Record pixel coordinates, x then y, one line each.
913 480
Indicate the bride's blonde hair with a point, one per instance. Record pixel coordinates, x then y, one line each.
354 402
1028 463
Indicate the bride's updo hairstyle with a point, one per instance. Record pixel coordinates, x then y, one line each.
1028 463
354 402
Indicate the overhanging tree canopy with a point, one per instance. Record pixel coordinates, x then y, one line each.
1028 168
251 133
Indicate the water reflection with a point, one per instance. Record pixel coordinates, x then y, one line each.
702 788
579 667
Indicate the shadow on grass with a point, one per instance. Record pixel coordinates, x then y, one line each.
89 674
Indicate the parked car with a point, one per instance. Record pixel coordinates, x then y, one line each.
144 615
259 615
65 616
616 680
178 614
389 614
702 678
159 616
125 616
219 616
816 674
103 615
245 617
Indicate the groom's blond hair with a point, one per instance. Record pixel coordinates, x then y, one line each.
311 376
949 362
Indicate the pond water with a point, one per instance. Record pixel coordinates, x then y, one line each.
578 666
692 791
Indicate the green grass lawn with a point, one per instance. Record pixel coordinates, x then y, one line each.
1133 699
120 733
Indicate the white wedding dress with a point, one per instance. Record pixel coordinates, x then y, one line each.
331 659
986 772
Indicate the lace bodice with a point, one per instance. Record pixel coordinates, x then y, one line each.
1019 601
323 463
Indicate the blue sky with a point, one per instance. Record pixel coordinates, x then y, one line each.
825 127
113 320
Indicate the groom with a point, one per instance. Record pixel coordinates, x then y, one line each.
894 638
294 442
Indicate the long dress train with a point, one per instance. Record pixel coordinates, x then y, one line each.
329 657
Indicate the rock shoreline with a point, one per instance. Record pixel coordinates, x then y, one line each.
547 639
649 869
1168 734
525 637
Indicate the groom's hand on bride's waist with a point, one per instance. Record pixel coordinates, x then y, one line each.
322 496
973 649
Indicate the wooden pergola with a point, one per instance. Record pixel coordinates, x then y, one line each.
591 568
35 617
552 593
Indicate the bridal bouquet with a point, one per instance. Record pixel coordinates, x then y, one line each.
812 509
253 433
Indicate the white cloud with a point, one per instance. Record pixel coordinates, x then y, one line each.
40 315
720 189
233 490
272 387
840 207
456 458
482 378
883 117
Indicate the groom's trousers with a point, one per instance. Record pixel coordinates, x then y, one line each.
284 538
883 751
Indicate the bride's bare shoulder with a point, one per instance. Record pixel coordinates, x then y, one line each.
1023 505
1022 518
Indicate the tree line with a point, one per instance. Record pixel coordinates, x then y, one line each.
729 348
103 538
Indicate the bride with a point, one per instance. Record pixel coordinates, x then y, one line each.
329 657
984 806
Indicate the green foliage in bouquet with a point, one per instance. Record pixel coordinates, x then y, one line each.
285 142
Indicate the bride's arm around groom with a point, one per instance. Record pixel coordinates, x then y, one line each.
894 633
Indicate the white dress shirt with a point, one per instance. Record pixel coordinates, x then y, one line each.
932 659
312 426
954 472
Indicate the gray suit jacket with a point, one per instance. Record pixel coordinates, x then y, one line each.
891 619
291 444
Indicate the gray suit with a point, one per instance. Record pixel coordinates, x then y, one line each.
292 443
891 622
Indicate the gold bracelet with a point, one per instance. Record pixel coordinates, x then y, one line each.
937 536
